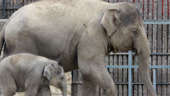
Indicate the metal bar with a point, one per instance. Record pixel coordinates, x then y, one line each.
136 66
160 54
130 73
156 21
121 66
154 78
162 7
168 7
3 9
143 7
133 53
153 5
75 83
159 66
111 54
6 9
138 83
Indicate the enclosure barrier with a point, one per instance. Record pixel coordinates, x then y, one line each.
130 67
156 14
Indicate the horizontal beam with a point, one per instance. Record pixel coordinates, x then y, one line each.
136 66
133 53
156 21
126 83
138 83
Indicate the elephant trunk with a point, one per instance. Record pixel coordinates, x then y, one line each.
143 53
64 90
62 85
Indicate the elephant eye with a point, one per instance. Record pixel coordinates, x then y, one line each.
62 78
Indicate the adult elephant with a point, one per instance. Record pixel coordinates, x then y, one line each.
79 34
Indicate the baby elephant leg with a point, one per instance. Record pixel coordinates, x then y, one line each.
44 91
7 92
31 91
7 86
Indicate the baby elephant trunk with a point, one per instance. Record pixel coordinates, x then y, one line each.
62 85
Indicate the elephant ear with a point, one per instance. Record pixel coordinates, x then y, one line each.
47 73
110 20
60 70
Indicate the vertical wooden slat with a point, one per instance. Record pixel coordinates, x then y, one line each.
7 7
164 42
120 76
152 34
168 11
168 30
168 75
135 77
117 72
125 76
159 15
154 31
162 7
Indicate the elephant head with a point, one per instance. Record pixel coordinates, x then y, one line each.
125 31
55 75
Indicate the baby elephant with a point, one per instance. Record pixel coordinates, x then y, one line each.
30 73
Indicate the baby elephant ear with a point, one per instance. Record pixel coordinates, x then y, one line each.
47 72
60 70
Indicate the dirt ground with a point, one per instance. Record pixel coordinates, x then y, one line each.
55 91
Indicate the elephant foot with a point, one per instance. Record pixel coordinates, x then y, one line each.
89 89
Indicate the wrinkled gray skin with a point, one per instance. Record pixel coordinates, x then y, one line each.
30 73
78 33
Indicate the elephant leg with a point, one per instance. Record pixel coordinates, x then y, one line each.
31 91
89 88
97 76
93 68
44 91
7 85
7 92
